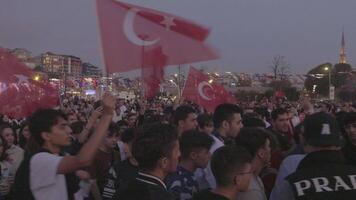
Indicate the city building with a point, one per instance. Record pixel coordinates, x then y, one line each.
91 70
342 55
60 65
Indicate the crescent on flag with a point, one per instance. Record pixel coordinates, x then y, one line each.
201 92
129 32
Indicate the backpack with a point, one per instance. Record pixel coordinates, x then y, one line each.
20 190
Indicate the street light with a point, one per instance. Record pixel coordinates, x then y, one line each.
328 70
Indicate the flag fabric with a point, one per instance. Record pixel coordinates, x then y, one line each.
19 94
127 30
153 71
199 88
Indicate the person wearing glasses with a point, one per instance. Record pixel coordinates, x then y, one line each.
257 142
232 169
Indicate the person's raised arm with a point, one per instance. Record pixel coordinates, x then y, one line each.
86 154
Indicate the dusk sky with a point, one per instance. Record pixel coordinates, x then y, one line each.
247 33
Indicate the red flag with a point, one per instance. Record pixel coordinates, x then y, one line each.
153 71
126 29
19 94
206 93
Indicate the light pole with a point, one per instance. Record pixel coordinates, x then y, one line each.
328 70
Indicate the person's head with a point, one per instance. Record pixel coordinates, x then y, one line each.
280 120
325 107
112 136
231 167
228 118
253 122
122 125
349 123
321 131
24 134
194 147
131 119
257 142
49 128
205 123
185 118
8 134
71 118
127 137
156 147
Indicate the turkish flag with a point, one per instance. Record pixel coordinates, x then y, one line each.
153 71
19 94
128 30
205 92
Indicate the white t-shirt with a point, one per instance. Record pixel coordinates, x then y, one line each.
45 183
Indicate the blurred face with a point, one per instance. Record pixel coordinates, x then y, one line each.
26 132
131 121
351 132
8 135
110 141
72 119
127 150
265 153
60 134
5 118
1 146
235 125
243 178
201 157
190 123
281 124
208 129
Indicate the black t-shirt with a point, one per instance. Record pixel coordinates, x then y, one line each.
208 195
125 172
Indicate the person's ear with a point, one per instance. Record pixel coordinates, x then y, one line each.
260 153
45 136
225 124
193 155
163 163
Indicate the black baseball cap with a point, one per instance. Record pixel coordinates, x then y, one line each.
321 129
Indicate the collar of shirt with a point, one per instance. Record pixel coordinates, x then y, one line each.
149 179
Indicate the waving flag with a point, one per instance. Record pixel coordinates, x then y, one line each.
129 31
19 94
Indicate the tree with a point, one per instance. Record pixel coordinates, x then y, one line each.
279 67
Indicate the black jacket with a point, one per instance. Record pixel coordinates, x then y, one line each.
324 175
146 187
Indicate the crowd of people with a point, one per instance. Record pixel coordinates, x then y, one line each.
115 149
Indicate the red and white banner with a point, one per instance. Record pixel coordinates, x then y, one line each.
207 93
20 95
129 31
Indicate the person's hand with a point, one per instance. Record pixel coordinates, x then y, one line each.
97 112
108 103
82 175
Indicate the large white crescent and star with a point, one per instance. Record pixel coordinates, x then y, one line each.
129 30
201 90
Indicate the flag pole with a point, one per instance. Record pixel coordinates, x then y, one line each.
179 82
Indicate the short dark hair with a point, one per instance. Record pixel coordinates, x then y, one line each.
204 120
349 118
181 113
252 138
278 111
253 122
193 140
226 161
43 120
225 112
113 130
153 142
128 135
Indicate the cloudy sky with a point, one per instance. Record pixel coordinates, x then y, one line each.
247 33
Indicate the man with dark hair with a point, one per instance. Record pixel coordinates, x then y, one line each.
205 123
281 128
105 159
227 121
349 125
185 118
194 147
324 173
156 150
257 142
232 170
46 169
